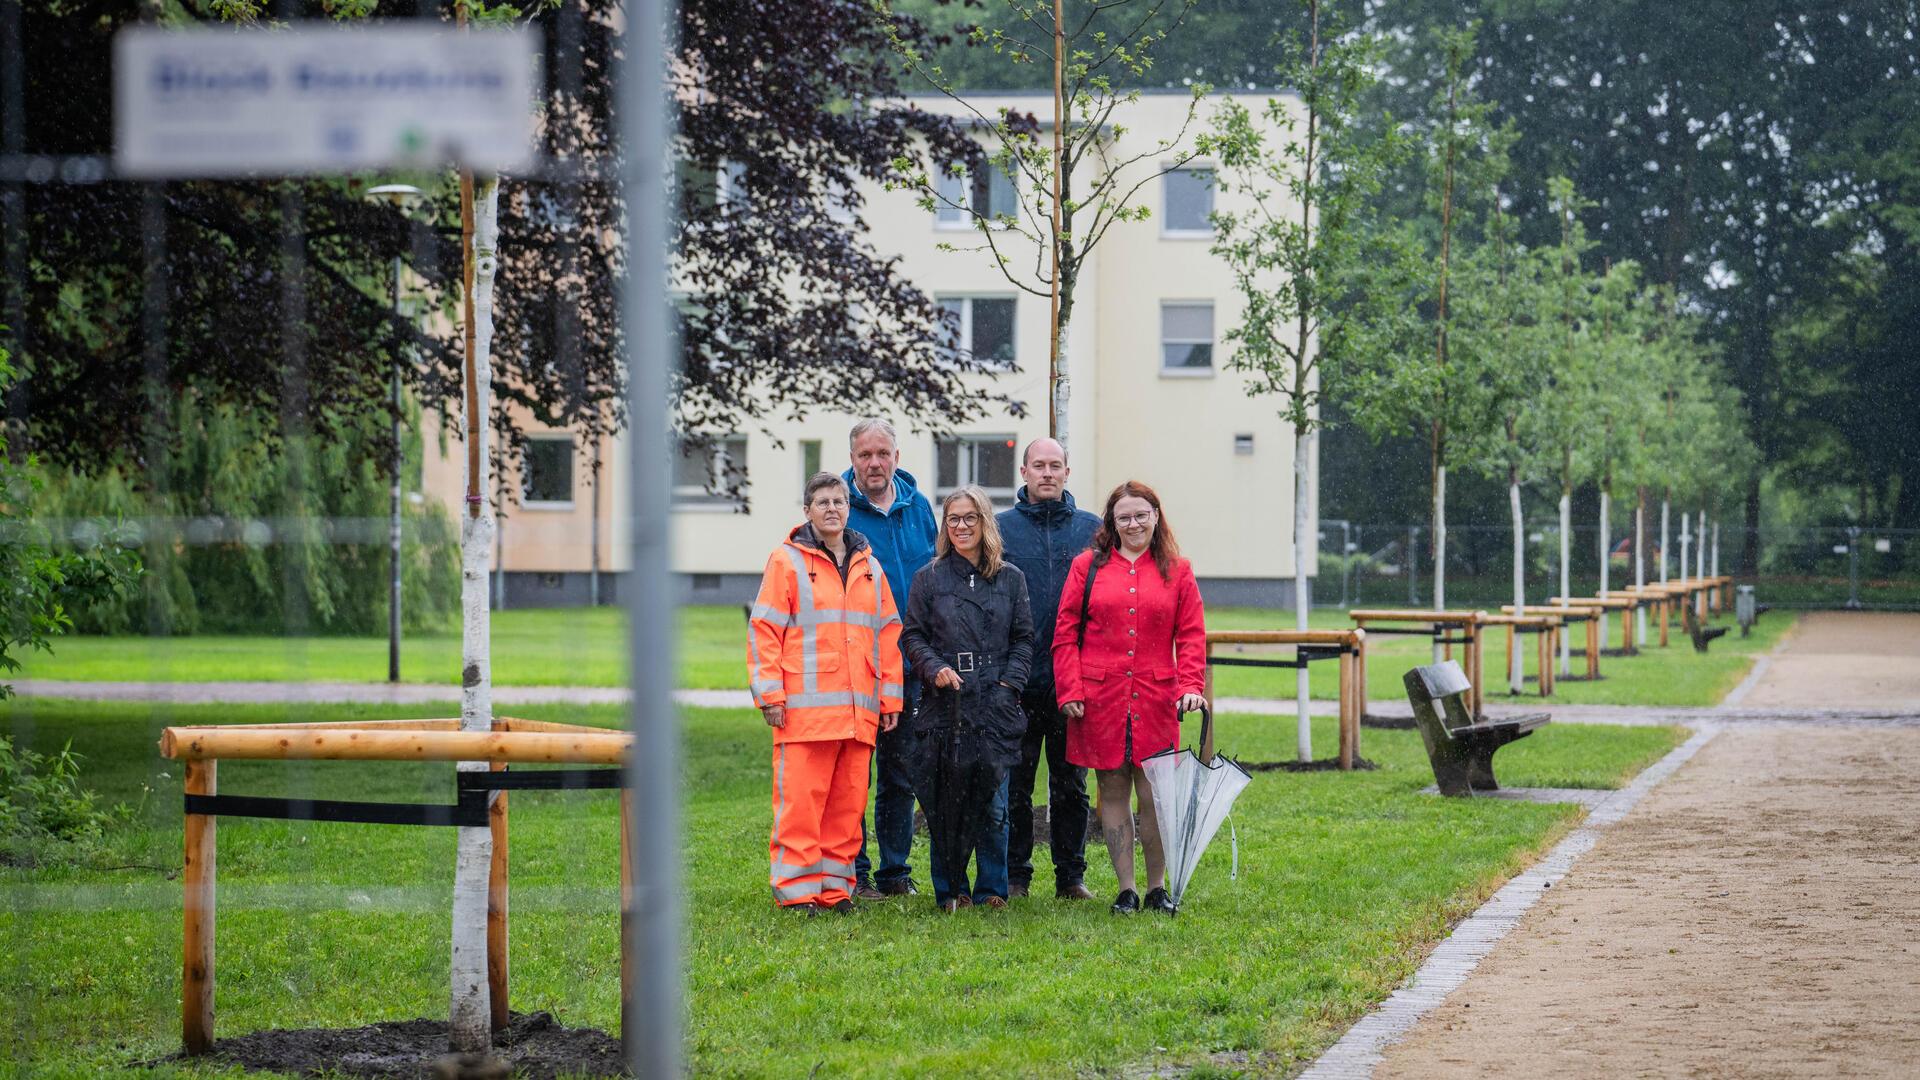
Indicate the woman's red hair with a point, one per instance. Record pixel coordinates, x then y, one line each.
1165 549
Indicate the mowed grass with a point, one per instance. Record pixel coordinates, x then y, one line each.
1345 883
587 647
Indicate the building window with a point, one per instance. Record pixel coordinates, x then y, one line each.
988 193
809 460
546 472
1186 337
986 460
984 328
1188 205
702 475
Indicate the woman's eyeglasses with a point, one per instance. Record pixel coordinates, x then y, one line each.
962 521
1130 520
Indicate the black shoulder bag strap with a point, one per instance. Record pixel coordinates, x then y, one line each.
1086 597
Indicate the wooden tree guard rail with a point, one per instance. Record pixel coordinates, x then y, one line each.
482 800
1437 623
1625 605
1567 616
1309 645
1545 625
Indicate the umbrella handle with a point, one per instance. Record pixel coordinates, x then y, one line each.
1206 736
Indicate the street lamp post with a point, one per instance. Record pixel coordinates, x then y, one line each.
402 197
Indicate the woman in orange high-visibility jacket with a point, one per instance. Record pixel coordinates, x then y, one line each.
823 656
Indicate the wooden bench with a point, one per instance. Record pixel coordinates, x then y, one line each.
1460 749
1435 625
1308 646
1698 630
1545 625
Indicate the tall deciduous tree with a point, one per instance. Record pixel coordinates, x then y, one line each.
1305 177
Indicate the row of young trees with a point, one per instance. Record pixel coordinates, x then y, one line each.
1533 364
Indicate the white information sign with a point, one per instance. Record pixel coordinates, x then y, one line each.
322 98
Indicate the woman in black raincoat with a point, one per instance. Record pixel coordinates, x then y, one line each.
969 636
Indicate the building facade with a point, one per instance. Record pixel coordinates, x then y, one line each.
1152 400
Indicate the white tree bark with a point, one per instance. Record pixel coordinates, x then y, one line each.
1302 502
1439 548
1663 541
1062 390
1700 563
1516 675
1686 542
1713 566
1566 567
1639 569
1606 559
471 1019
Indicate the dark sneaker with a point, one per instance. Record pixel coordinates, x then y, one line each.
1126 903
844 907
1075 891
1016 890
865 891
902 887
1161 901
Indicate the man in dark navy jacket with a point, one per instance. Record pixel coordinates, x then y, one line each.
897 521
1042 534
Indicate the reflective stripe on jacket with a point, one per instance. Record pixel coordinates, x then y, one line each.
829 652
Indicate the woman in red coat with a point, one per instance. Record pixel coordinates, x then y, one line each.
1129 656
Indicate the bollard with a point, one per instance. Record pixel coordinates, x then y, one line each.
1744 610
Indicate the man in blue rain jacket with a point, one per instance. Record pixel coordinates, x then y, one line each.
898 523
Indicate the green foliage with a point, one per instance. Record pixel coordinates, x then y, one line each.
40 584
242 534
44 812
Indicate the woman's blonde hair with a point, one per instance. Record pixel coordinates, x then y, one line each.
990 545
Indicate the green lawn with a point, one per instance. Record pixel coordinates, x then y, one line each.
1346 880
587 647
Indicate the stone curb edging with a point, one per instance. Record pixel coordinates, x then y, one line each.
1363 1047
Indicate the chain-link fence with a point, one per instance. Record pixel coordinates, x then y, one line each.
1369 565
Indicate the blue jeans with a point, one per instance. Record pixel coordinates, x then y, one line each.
990 858
892 800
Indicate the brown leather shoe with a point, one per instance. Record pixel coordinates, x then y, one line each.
1016 890
1073 892
994 903
865 891
948 907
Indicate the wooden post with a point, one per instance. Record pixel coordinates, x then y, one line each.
1360 677
197 880
1206 687
1666 613
1593 646
1513 646
1544 657
1349 719
497 905
628 1025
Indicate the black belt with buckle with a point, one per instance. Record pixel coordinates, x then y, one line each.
968 662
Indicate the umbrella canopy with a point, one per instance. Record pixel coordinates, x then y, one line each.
1191 798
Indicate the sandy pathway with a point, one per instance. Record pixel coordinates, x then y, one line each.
1844 659
1757 915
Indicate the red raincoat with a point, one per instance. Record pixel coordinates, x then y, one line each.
1146 644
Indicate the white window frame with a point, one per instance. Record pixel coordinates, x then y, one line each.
947 217
1212 342
998 494
1167 231
965 344
699 499
573 478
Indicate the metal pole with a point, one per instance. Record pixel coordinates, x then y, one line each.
652 1016
1853 566
1413 567
393 510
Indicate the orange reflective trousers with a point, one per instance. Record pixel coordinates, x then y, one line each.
819 794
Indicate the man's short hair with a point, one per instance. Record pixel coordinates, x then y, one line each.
1027 454
872 423
817 482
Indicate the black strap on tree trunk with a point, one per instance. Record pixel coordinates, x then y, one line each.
470 811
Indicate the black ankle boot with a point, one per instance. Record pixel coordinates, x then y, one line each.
1162 901
1126 903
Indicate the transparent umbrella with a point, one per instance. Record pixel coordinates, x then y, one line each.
1191 798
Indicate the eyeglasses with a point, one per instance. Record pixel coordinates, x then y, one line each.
965 521
1131 520
830 502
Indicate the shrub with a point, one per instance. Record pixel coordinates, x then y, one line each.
44 812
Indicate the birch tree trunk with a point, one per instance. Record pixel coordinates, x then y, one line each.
1713 567
1700 563
1516 674
1439 546
1566 566
1663 537
1640 562
1686 542
1606 558
471 1021
1302 449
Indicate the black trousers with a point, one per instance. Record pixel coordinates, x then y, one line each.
1066 797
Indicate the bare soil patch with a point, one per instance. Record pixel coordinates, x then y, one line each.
1755 916
534 1046
1845 660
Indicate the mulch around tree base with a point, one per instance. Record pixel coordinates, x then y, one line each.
534 1045
1360 764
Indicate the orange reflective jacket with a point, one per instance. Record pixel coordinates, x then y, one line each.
829 652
